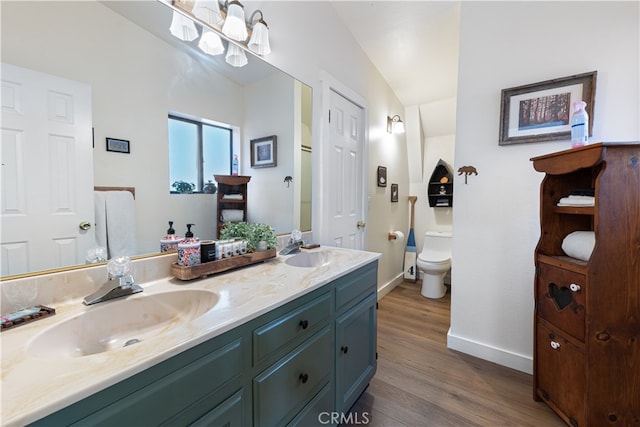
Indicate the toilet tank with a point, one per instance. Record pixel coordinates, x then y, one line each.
437 241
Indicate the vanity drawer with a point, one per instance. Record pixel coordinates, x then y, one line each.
281 391
560 374
561 298
355 286
280 335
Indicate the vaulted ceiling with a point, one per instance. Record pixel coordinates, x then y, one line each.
413 44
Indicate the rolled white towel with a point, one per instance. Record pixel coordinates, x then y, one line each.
579 244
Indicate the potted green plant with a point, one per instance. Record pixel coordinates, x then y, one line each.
183 186
254 234
263 236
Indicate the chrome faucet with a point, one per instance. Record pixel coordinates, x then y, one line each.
295 241
120 284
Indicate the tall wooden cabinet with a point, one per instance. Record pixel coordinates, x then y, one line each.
232 198
587 313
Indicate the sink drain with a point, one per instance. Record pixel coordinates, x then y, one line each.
131 342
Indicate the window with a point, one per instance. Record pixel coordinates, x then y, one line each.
197 151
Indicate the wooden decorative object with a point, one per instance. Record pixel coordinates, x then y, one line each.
218 266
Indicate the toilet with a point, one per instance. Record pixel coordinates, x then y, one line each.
435 261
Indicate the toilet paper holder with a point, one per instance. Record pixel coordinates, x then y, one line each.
396 235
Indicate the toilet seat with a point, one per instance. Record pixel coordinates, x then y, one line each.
434 257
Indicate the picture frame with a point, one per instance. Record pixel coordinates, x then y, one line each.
118 145
394 193
382 176
542 111
264 152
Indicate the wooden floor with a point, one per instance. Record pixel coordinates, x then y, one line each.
420 382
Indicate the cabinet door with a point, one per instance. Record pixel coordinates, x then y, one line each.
355 352
281 391
560 377
167 397
227 414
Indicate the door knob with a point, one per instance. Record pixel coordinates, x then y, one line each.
361 224
85 225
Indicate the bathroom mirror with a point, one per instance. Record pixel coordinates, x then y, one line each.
138 73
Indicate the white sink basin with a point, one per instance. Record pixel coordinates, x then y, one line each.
308 259
115 324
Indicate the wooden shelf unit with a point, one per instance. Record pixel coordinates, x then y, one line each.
227 185
587 313
440 194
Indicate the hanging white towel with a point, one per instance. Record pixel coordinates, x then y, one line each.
121 223
115 222
100 207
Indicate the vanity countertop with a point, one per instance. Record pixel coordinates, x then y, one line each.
35 387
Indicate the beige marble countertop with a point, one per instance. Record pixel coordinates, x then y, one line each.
35 386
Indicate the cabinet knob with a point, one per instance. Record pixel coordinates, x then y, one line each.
303 378
555 345
574 287
304 324
344 349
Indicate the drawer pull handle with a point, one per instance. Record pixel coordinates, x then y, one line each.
574 287
304 378
555 345
304 324
344 349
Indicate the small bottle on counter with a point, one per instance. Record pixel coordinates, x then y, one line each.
189 249
170 241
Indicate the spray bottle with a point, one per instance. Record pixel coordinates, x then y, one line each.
579 125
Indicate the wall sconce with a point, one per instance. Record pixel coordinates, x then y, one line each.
226 20
234 26
395 124
259 42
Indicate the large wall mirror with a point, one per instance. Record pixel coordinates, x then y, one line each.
137 74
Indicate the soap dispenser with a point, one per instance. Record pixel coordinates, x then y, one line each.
189 249
170 241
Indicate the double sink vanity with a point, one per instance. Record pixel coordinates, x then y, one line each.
283 342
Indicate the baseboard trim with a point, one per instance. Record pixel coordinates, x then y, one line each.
388 287
500 356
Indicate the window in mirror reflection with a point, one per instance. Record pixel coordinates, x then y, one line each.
197 152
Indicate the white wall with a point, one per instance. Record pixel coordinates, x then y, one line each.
496 227
270 104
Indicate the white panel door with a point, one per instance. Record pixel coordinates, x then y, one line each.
47 171
344 171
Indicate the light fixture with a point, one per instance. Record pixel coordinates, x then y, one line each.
234 26
259 41
235 56
183 27
208 11
222 21
210 43
395 124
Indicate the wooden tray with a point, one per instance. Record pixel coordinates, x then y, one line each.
218 266
44 312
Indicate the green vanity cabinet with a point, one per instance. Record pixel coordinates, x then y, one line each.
286 367
181 389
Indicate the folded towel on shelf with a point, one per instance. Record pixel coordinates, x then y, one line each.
232 196
579 244
575 200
